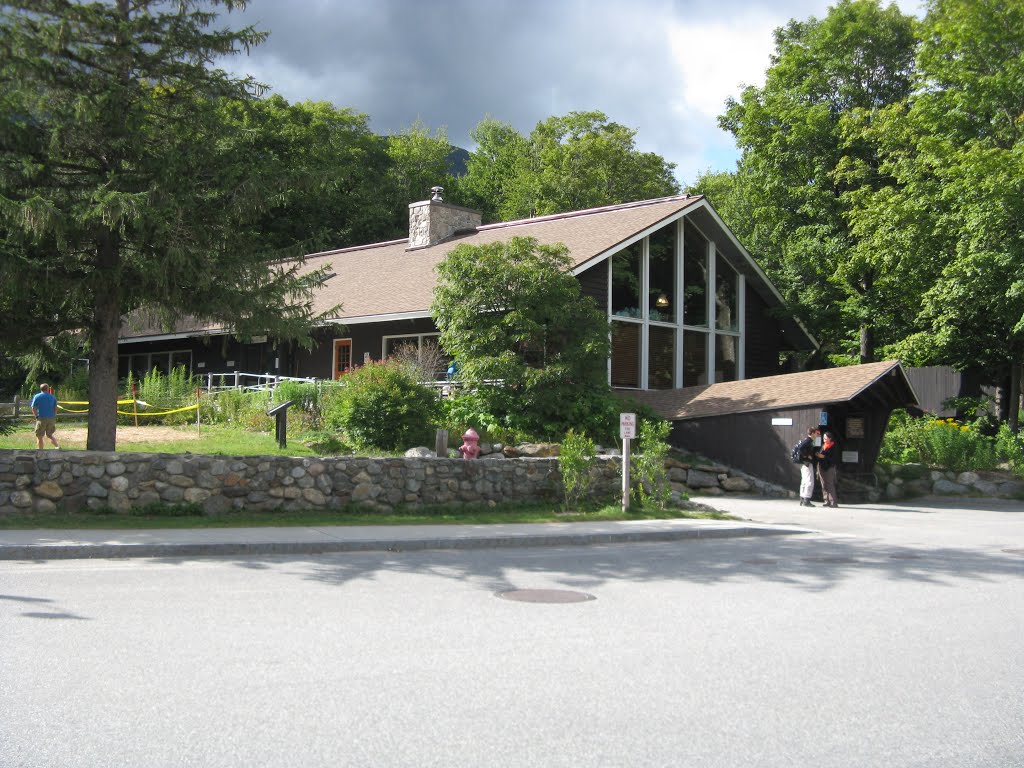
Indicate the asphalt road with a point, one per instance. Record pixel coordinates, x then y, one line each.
852 647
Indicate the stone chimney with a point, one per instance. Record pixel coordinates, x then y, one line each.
434 220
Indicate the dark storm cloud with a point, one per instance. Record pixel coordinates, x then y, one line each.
450 63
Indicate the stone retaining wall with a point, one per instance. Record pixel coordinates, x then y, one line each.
46 481
899 481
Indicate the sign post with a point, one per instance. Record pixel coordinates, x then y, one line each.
627 431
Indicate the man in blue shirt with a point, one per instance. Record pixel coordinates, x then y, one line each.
44 408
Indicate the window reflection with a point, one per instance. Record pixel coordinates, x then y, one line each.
626 354
726 297
661 357
695 276
661 298
626 281
695 358
726 357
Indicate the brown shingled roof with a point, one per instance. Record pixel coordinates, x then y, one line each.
791 390
388 278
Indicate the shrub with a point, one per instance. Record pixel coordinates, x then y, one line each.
245 410
649 476
307 412
575 463
382 406
161 393
1010 448
941 443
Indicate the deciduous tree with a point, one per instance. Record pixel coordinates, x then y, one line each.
513 317
797 160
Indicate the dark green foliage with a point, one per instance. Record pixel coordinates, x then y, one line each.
382 406
575 465
649 476
533 350
127 183
804 169
567 163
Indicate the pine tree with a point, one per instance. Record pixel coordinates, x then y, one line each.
123 188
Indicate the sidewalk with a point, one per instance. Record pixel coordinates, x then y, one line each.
213 542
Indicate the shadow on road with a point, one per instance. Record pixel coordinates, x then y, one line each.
802 562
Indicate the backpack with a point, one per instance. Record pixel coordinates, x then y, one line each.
799 452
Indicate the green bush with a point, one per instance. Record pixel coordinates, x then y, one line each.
241 409
1010 448
306 413
382 406
466 409
940 443
575 463
160 393
649 476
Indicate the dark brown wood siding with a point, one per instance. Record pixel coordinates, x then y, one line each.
752 443
594 283
367 344
763 338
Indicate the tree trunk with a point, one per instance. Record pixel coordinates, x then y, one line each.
867 330
867 344
105 327
1013 418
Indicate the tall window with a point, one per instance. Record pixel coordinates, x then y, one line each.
695 276
726 297
695 358
626 280
626 354
661 291
727 350
675 313
661 357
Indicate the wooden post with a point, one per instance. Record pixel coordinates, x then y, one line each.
441 444
198 427
17 404
135 406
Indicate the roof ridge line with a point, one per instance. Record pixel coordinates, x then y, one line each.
586 212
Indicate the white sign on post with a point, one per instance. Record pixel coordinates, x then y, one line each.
627 431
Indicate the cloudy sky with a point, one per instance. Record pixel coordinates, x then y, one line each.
661 67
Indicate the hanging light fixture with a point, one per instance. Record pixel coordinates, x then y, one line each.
662 301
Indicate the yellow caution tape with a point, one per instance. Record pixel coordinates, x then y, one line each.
132 413
160 413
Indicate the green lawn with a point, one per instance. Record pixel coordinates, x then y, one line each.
216 439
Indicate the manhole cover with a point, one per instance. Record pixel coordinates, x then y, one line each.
545 596
1014 551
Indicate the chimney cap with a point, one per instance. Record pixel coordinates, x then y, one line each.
435 194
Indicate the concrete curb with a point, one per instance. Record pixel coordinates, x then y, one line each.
225 549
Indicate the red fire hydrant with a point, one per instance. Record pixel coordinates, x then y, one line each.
470 447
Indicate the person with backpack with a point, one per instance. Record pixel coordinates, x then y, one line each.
803 454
